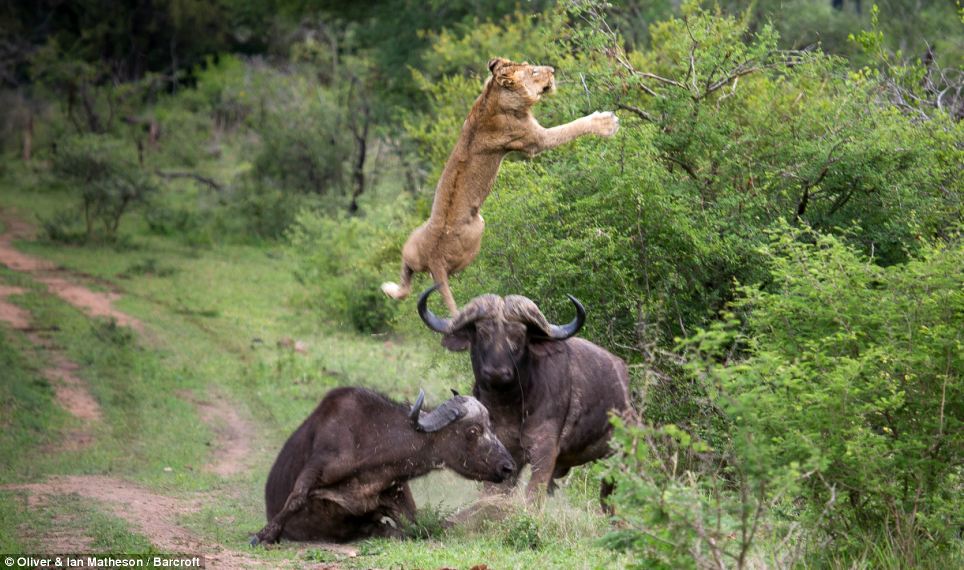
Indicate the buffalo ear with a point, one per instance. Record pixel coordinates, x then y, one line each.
457 341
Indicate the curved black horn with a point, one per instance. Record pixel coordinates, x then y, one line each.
455 392
433 322
442 416
557 332
417 408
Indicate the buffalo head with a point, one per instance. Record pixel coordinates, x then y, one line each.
499 332
465 440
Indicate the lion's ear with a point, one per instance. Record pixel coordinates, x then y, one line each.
495 63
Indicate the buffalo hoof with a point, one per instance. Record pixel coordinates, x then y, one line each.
255 541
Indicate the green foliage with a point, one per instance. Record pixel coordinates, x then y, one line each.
855 369
342 259
429 523
840 388
817 413
682 506
522 531
108 180
304 144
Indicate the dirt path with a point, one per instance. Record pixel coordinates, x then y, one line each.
152 515
235 435
58 282
11 314
233 447
71 392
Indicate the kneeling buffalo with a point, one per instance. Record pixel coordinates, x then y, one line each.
549 395
343 475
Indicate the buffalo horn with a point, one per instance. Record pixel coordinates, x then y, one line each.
417 408
442 416
562 332
434 322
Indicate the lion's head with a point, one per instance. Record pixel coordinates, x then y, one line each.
521 85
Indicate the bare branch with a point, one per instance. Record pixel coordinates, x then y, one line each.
659 78
637 111
192 175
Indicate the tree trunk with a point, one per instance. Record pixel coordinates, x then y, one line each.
153 133
359 171
28 137
88 221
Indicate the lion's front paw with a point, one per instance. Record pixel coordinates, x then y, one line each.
604 124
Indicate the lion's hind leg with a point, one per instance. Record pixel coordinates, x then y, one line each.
396 291
441 278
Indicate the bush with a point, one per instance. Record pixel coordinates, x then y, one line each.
342 261
521 531
104 172
855 368
429 523
304 142
839 388
261 208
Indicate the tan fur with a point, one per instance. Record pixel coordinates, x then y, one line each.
500 121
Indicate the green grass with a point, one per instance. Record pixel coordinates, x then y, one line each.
213 318
103 533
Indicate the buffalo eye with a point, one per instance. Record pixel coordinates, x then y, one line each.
472 433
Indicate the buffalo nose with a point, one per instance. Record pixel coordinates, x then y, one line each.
497 373
507 469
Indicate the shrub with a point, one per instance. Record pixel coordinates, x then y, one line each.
522 531
304 143
839 388
262 208
856 368
429 523
104 172
343 259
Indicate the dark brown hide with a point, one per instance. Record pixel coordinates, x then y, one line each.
549 400
344 472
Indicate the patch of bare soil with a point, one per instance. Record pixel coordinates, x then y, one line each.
11 314
58 282
235 434
94 303
64 537
155 516
72 392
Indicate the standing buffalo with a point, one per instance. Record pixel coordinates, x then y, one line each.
549 395
343 475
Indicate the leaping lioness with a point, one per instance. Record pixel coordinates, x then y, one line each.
500 121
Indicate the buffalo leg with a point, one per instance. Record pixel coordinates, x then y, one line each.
397 504
296 501
543 466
